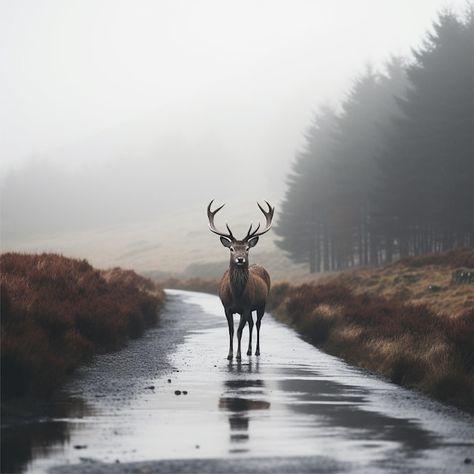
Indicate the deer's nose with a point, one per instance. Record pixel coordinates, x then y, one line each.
240 260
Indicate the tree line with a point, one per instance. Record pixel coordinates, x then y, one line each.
391 172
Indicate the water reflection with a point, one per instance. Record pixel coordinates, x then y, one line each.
32 431
242 396
342 407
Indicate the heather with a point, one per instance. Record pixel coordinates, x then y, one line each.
58 312
408 343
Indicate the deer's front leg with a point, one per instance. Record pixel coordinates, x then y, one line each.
230 323
243 320
260 314
250 321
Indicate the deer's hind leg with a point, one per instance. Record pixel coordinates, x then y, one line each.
243 320
260 313
250 321
230 323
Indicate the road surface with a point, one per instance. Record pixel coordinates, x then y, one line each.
293 409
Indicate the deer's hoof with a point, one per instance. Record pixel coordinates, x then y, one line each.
249 352
238 357
230 357
257 353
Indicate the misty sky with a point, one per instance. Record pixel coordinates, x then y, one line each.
120 120
249 73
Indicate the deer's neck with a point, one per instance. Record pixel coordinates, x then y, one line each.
238 279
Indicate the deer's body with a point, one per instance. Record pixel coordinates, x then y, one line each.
243 288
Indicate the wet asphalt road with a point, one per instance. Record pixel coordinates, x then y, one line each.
293 409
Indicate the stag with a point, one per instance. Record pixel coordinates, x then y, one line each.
243 288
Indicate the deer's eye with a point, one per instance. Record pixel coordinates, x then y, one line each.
247 248
232 249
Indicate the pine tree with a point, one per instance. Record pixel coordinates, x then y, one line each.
303 219
390 175
431 167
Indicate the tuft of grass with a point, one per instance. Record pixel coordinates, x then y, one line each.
57 312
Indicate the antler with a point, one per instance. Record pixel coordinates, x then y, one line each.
210 216
268 216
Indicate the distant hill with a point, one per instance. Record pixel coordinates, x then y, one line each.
174 243
136 195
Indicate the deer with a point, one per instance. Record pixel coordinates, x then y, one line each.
243 288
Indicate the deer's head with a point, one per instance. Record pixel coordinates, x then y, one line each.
239 249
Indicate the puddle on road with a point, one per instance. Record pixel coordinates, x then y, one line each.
40 432
292 401
338 410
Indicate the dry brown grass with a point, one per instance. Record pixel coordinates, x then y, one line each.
425 280
360 317
57 312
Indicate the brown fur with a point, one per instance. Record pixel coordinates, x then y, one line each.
244 289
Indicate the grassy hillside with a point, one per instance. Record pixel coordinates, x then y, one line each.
57 312
412 321
427 280
173 243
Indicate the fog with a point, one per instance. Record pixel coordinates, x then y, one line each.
120 120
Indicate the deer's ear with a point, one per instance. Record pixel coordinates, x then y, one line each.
225 241
253 241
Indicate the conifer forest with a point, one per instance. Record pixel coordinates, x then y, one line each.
390 172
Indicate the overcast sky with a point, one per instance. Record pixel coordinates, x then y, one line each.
256 69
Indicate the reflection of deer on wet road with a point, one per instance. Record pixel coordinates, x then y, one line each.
242 397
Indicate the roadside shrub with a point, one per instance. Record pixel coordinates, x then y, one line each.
57 312
278 293
409 344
